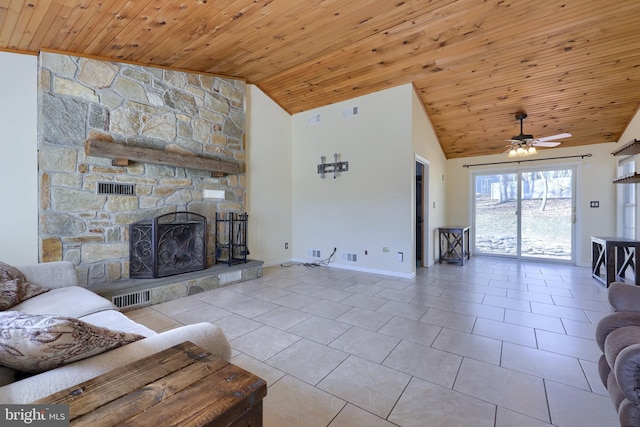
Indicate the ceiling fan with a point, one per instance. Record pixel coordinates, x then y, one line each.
523 144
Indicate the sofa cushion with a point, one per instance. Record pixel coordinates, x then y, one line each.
14 288
618 340
55 274
37 343
72 301
613 321
113 319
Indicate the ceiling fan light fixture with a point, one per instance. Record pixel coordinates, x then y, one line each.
522 149
524 144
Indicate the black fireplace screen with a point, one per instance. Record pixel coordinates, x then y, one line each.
166 245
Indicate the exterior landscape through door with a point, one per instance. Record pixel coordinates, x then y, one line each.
525 214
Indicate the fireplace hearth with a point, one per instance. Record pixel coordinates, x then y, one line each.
169 244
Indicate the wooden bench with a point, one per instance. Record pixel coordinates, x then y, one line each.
183 385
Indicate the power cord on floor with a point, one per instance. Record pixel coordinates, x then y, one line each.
321 263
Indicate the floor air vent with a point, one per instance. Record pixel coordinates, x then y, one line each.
131 300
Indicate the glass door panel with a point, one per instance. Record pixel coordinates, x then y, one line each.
496 219
546 211
525 214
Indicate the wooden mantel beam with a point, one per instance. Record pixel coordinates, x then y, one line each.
114 150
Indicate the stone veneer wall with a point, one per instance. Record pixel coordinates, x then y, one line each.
81 98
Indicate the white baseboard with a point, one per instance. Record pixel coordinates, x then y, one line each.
359 269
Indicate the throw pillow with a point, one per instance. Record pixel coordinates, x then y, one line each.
37 343
14 288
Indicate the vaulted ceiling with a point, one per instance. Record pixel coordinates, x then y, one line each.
572 66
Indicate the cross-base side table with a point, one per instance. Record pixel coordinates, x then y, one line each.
454 244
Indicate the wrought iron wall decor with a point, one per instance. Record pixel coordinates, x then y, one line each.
231 237
166 245
336 167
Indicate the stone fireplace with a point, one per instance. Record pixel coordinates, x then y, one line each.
88 202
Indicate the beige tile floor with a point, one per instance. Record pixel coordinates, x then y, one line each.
496 343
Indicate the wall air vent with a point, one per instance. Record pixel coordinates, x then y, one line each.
115 188
133 299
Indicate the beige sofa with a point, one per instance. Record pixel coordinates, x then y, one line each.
67 299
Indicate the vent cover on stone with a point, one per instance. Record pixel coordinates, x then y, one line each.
115 188
131 300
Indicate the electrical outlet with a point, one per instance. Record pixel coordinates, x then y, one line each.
400 256
286 245
350 256
314 253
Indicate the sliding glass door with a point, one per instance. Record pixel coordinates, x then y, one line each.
496 220
525 213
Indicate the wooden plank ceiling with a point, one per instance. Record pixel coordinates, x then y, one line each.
572 65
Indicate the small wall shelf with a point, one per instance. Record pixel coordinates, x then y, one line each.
628 149
628 179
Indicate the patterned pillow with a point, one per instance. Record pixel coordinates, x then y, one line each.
14 288
36 343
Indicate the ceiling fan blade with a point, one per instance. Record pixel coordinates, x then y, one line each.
539 143
552 137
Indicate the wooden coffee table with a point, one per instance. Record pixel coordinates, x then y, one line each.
183 385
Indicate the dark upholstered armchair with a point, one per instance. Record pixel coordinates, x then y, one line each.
618 335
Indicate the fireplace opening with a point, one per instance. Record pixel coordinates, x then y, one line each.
169 244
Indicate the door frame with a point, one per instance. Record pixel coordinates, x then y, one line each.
426 259
518 169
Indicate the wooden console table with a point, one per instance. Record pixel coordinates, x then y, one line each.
183 385
454 244
615 255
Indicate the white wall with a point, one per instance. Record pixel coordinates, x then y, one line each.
595 177
18 158
367 208
425 144
268 179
